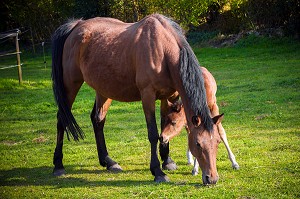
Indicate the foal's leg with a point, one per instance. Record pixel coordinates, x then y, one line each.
223 136
191 160
195 170
164 151
190 157
98 116
164 148
148 101
215 111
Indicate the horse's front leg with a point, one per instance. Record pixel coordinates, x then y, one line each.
148 101
58 154
98 116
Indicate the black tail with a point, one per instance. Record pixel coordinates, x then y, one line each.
64 112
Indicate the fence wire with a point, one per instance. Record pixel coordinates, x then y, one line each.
11 66
41 55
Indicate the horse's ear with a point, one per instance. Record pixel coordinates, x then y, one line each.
196 121
218 119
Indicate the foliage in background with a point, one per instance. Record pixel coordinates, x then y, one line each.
42 17
38 17
274 13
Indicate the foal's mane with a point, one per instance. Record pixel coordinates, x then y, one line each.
191 74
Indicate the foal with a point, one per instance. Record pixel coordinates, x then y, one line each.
175 121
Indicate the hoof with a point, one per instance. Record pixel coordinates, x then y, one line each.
190 163
170 166
59 172
159 179
194 172
115 168
236 166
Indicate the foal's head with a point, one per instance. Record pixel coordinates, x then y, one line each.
204 146
174 121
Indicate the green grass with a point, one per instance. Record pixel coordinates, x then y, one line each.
258 90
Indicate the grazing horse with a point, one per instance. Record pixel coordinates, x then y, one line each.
175 121
146 60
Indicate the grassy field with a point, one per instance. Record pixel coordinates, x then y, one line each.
258 90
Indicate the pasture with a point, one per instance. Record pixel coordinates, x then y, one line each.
258 90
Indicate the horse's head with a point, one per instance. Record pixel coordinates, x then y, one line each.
173 121
204 145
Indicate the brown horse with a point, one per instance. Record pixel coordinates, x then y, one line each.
146 61
175 121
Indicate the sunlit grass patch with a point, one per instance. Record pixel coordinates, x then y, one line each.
258 90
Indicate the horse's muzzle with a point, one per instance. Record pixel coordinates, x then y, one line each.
163 139
210 180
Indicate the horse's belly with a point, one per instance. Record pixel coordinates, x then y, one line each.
120 91
128 94
125 91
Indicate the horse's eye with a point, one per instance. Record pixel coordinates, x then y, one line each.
173 123
198 145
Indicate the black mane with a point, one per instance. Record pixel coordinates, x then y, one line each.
192 78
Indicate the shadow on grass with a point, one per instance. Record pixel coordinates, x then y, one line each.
42 176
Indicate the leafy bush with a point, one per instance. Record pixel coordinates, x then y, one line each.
42 17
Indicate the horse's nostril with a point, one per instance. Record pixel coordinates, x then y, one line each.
211 180
208 180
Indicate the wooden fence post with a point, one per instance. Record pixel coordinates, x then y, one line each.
18 57
43 44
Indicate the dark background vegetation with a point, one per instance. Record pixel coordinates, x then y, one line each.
39 18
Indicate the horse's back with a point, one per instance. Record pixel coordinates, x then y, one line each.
118 59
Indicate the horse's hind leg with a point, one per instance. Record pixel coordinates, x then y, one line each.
98 116
58 155
215 111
